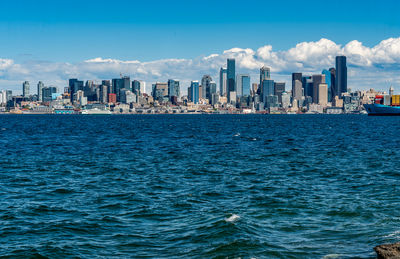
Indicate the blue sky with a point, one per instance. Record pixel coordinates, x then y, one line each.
156 40
74 30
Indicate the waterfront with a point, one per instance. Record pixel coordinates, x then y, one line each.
198 186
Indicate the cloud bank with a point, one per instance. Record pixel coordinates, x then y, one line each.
369 67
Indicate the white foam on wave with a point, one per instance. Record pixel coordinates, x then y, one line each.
232 218
332 256
395 234
237 134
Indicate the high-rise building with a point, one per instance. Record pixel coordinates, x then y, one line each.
307 84
279 88
120 83
25 89
223 81
334 91
173 89
265 74
160 91
136 87
317 80
213 89
341 75
231 74
40 86
142 87
322 94
74 86
47 93
205 87
267 89
328 81
297 77
242 85
297 90
254 88
103 93
194 92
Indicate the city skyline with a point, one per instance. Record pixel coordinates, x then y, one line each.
308 58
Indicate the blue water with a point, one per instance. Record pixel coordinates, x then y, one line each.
198 186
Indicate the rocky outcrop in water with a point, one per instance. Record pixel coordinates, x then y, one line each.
388 251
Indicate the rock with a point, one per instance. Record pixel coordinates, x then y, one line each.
388 251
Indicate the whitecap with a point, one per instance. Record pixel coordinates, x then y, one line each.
232 218
237 134
331 256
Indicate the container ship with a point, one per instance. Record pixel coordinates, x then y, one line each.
384 105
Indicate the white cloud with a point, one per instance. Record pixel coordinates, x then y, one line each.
368 66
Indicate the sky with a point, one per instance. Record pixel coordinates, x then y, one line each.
157 40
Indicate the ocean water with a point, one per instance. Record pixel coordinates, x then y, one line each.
198 186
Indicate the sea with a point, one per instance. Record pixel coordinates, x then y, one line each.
198 186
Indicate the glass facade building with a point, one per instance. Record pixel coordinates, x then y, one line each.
231 74
341 75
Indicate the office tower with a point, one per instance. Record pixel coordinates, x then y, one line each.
279 88
242 85
254 88
328 81
136 85
213 89
334 91
317 79
267 89
285 100
194 92
160 90
173 89
265 74
297 90
142 87
127 96
306 82
231 74
296 76
8 95
25 89
47 93
223 81
323 94
40 86
341 75
126 82
103 93
205 86
74 86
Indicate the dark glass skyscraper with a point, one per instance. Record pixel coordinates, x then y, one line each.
231 76
341 75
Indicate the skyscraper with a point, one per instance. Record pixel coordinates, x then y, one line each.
173 89
267 89
223 81
74 86
205 87
242 85
265 74
136 87
328 81
341 75
317 80
231 72
297 90
25 89
40 86
194 92
279 88
334 92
